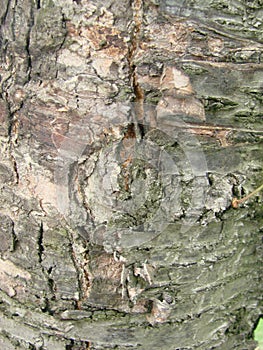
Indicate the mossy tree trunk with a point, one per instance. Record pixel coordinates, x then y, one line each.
127 127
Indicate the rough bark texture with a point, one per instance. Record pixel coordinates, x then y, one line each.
126 128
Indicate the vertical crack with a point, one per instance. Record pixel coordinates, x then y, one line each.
51 283
137 6
80 261
46 272
14 238
4 16
15 169
12 129
52 289
40 243
12 12
13 23
28 40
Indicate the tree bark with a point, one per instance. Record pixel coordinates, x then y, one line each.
127 127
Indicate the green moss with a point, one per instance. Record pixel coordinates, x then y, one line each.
215 103
142 202
125 94
153 97
245 137
56 239
99 316
162 139
49 30
103 43
193 69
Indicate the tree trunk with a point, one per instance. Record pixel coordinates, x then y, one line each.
127 127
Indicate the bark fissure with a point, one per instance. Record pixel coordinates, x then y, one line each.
28 40
137 6
13 23
4 16
40 245
14 238
80 261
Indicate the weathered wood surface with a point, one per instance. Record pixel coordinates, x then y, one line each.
126 127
